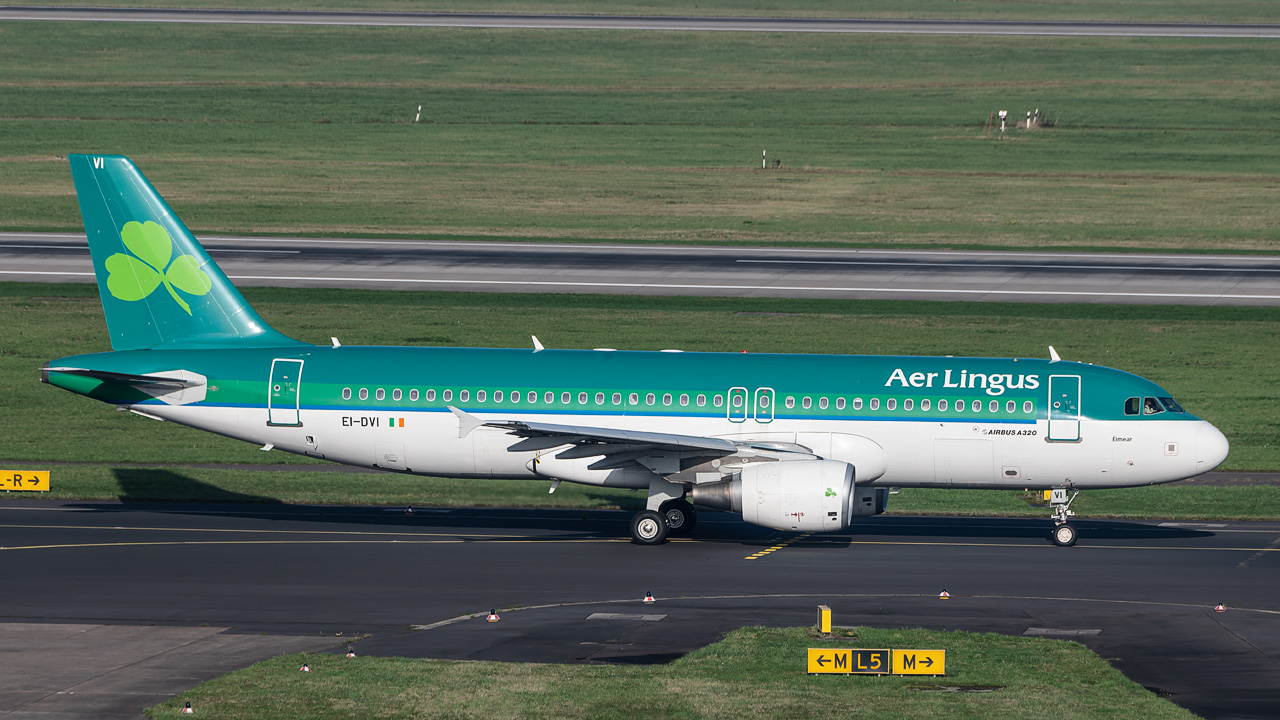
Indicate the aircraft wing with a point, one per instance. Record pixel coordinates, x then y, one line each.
593 441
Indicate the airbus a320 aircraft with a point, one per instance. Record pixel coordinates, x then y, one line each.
792 442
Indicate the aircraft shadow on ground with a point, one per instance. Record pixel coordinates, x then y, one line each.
159 485
155 488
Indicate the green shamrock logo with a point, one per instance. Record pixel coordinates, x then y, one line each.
134 278
831 493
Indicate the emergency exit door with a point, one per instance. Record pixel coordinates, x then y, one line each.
283 392
1064 407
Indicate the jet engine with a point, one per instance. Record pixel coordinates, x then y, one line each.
803 495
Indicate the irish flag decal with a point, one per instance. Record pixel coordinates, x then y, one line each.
397 422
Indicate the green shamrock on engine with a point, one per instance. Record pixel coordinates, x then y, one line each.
134 278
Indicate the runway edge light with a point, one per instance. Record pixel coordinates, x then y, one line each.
648 598
305 668
944 594
493 615
1220 608
186 710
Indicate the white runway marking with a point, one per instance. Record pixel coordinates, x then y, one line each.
1013 266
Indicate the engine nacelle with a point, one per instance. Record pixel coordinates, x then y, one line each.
804 495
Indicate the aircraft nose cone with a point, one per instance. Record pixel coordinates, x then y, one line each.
1211 448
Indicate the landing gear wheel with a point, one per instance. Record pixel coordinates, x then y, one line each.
680 517
1064 535
648 528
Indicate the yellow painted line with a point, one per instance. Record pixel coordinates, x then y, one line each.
241 530
455 541
777 547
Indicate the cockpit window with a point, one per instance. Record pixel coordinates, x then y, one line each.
1151 406
1133 406
1172 405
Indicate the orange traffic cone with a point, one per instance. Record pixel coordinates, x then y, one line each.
305 668
944 594
648 598
1220 608
493 616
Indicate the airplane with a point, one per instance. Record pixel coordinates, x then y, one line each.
792 442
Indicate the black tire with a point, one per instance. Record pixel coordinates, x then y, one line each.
680 517
648 528
1063 535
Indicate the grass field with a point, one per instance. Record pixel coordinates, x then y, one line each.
1232 11
754 672
655 137
1222 363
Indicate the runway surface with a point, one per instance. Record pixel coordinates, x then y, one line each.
1140 593
689 270
615 22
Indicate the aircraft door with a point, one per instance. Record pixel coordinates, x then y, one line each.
736 407
283 393
1064 408
764 405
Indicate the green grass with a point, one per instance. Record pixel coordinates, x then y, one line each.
1130 10
1222 363
654 137
753 672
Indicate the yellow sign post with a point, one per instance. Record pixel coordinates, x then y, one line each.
919 662
25 480
824 619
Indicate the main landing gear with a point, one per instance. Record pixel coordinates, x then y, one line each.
667 514
1063 535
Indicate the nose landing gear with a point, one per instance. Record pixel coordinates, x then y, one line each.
1063 535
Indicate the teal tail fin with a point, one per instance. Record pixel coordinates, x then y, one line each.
159 288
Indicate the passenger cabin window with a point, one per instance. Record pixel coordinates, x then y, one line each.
822 403
994 406
807 403
413 395
942 406
481 395
702 400
431 395
977 406
666 398
633 398
464 395
1151 406
566 398
447 395
924 404
364 393
684 399
381 394
532 396
891 404
346 393
617 398
649 399
737 401
515 396
599 398
1010 406
395 395
857 403
875 403
717 400
549 397
1133 406
1026 406
582 398
497 396
908 404
839 403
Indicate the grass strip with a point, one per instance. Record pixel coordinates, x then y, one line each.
1179 501
657 137
753 672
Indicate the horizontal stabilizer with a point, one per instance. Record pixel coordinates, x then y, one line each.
130 379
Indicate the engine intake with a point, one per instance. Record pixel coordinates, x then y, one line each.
804 495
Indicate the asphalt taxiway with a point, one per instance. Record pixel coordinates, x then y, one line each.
987 276
569 585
